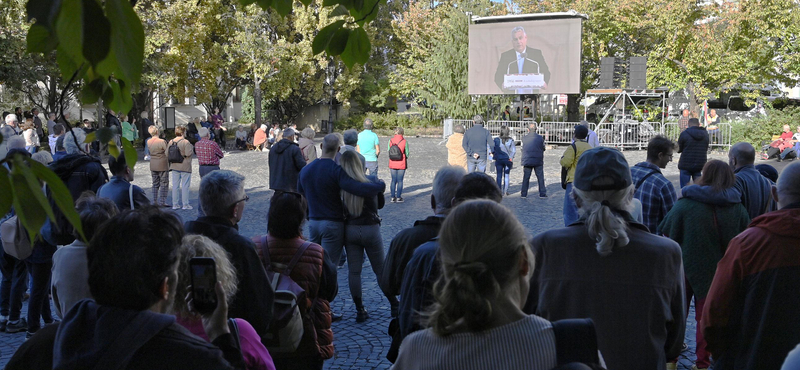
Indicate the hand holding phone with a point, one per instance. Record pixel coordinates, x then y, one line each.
203 271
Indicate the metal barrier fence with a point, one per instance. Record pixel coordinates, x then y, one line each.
622 135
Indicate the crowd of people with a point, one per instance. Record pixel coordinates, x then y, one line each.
467 286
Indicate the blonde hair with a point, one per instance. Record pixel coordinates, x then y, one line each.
480 246
353 167
153 130
606 227
201 246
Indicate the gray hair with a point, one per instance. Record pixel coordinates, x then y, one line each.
16 142
477 119
518 29
350 137
143 114
52 115
219 191
69 141
607 228
203 132
11 118
532 126
330 143
445 184
368 124
789 184
308 133
340 137
459 129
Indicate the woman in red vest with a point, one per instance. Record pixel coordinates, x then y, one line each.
398 163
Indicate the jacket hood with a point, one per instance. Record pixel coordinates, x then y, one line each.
304 142
782 222
100 337
281 146
707 195
696 132
64 166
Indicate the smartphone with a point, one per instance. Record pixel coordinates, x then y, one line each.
204 279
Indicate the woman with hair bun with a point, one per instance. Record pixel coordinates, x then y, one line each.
477 320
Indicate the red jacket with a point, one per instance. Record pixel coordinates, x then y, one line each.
750 316
403 145
317 334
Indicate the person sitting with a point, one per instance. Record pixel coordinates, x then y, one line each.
477 320
255 354
119 188
70 281
132 277
241 138
223 198
777 147
611 269
792 149
314 272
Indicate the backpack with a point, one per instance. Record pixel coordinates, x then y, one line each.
576 343
286 328
395 154
174 154
15 239
565 170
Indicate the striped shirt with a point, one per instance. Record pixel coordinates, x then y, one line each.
527 344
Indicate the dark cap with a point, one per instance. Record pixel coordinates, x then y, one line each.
768 171
602 162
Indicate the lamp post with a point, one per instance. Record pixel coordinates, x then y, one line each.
331 78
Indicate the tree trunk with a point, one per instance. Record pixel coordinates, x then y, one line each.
257 103
573 108
691 94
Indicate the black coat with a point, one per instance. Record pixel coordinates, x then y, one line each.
532 150
253 299
693 146
402 248
285 162
509 58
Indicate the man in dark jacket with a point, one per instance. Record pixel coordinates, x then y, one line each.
223 198
119 189
476 144
285 162
533 160
756 189
750 316
693 146
132 278
112 120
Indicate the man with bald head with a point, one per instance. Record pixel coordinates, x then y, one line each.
750 316
755 188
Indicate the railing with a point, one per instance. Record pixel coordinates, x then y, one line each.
556 132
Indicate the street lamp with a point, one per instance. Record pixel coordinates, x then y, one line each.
331 78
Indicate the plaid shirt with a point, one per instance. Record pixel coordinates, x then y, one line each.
683 123
208 152
656 194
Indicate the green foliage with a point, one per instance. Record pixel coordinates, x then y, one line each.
248 109
385 123
759 130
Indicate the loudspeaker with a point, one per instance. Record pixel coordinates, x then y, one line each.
637 73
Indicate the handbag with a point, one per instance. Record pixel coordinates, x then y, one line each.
15 239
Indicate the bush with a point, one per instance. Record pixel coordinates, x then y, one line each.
385 123
758 130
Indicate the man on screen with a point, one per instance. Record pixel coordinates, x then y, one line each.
521 59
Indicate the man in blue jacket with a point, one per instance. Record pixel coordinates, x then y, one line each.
533 160
693 146
119 189
476 144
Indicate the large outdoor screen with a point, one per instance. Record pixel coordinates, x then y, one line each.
525 57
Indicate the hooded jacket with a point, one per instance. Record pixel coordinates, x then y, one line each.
254 296
756 191
693 146
102 337
750 316
285 162
703 222
308 148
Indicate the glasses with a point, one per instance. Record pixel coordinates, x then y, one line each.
245 199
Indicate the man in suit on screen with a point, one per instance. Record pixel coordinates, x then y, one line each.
521 59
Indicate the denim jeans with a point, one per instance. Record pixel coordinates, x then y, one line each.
180 180
204 170
397 183
372 168
147 148
786 152
687 175
359 239
328 234
13 286
526 178
476 164
503 170
39 303
570 208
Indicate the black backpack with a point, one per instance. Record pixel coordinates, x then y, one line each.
576 345
395 154
174 154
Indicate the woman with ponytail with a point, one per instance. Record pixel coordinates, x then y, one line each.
477 321
608 267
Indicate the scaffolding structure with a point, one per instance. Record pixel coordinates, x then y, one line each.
623 130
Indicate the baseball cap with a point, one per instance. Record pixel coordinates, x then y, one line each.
601 162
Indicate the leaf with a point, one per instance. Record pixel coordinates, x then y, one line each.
113 150
324 37
331 2
122 101
339 11
104 135
6 196
96 32
358 5
59 193
127 35
358 48
30 212
39 39
284 7
338 42
69 29
23 166
265 4
367 13
130 153
65 62
92 91
43 11
306 2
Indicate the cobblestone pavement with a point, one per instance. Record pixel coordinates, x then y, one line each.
363 346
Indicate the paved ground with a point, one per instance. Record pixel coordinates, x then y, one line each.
363 346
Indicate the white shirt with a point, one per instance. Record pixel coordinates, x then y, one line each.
520 60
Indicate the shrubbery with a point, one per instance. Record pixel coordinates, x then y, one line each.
760 129
384 123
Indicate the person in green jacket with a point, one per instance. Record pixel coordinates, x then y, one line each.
128 129
708 216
